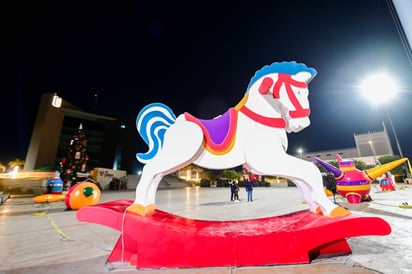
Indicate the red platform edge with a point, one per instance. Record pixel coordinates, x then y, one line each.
167 240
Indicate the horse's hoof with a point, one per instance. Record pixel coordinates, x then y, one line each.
338 211
318 210
141 210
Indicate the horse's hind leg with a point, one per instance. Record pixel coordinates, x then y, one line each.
264 153
305 192
142 204
182 142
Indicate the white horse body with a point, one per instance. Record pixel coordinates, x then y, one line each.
258 146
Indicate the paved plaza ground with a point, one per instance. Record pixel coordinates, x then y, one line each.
36 238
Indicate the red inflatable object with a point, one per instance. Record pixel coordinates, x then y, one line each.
354 198
166 240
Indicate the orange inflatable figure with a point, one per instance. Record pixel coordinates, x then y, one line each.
79 195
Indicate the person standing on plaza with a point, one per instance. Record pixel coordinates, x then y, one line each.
249 190
236 191
232 190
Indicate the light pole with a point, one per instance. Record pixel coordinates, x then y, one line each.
373 151
379 89
394 132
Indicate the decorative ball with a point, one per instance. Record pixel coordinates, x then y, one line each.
82 194
54 186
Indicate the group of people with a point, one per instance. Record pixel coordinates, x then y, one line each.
234 190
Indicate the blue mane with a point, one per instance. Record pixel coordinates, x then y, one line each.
290 68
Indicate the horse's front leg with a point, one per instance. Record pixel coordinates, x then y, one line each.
264 153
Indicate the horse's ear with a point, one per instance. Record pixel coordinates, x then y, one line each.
303 76
266 84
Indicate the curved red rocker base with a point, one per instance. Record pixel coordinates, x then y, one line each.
166 240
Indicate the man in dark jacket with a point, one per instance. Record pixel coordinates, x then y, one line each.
249 190
232 191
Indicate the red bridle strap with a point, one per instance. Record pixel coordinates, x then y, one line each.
267 121
288 81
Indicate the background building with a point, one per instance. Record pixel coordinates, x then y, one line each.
373 144
57 120
368 148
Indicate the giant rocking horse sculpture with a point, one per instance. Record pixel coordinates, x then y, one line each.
252 134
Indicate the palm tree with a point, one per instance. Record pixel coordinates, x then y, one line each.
17 162
2 168
231 174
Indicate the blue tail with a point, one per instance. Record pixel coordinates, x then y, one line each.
152 123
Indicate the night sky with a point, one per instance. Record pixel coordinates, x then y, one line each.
198 57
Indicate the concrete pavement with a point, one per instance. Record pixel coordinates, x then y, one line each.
46 239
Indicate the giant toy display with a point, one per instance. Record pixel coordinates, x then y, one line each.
387 182
54 185
353 183
80 195
252 134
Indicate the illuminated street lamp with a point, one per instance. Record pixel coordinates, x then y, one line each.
379 89
300 151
